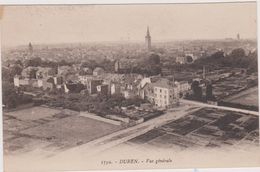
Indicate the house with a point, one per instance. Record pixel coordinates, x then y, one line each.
92 85
65 70
85 71
129 86
84 79
128 94
58 81
98 71
147 92
21 81
123 65
44 72
47 84
181 60
166 93
145 83
29 72
183 87
115 88
103 89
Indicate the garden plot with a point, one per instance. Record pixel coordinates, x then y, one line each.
33 113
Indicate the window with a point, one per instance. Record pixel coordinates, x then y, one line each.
165 97
160 90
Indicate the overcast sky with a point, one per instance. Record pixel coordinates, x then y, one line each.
88 23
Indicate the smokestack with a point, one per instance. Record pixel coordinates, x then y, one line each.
204 73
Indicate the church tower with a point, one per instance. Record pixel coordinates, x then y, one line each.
148 40
30 48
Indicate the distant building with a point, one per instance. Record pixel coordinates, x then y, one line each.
85 71
183 87
29 72
181 60
98 71
148 40
19 81
47 84
92 85
44 72
129 86
188 58
238 36
36 83
124 65
103 89
30 48
115 88
84 79
65 71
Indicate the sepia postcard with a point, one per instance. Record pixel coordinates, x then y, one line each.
129 86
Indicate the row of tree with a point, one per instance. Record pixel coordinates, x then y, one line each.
236 59
197 93
11 97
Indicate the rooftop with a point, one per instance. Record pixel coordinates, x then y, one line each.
163 83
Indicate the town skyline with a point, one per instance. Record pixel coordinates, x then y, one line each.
96 87
175 24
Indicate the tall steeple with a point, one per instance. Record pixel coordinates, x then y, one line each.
30 47
148 39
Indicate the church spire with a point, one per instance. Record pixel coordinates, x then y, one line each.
147 32
30 48
148 39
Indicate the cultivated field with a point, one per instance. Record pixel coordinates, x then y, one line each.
207 127
48 130
248 97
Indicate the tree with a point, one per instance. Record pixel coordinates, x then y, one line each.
217 55
238 52
16 70
35 62
6 75
19 62
189 59
154 59
197 90
32 73
9 95
209 94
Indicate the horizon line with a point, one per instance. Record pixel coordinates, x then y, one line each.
126 41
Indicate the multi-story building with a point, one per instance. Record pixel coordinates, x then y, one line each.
164 93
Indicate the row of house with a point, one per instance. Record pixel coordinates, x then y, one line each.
161 92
